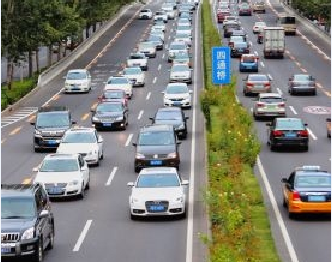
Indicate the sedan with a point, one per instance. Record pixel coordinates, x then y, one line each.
172 116
186 15
255 84
245 9
258 7
269 105
239 48
84 141
159 32
145 14
287 132
302 84
135 74
63 175
182 58
158 42
187 39
221 14
148 48
184 30
176 47
177 94
120 82
180 73
158 191
159 25
78 81
109 115
258 26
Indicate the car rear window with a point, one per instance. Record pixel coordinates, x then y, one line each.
289 124
155 138
271 99
248 60
315 181
257 78
304 78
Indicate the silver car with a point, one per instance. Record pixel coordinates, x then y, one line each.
269 105
180 73
256 84
176 47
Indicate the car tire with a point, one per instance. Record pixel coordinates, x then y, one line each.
87 186
102 156
82 193
178 167
272 147
284 203
314 93
133 217
97 163
291 215
254 116
51 239
306 148
37 150
137 169
39 252
328 134
291 92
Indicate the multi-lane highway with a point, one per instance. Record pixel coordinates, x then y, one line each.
99 227
310 237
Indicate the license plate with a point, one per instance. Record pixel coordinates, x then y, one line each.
316 198
5 250
55 191
107 124
249 66
290 135
51 141
156 162
177 103
157 208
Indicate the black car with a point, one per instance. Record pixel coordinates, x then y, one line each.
50 124
172 116
285 132
27 223
239 48
156 145
159 43
110 115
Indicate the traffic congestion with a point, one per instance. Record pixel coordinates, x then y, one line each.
111 163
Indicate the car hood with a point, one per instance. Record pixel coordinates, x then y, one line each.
154 194
180 73
76 148
158 149
16 225
176 96
117 86
57 177
175 123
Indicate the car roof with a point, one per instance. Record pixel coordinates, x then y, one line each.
310 173
114 90
18 190
77 70
61 156
157 128
158 170
117 77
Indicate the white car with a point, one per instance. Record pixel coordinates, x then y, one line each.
231 19
187 39
120 82
78 81
145 14
159 32
184 23
148 48
177 94
184 30
169 9
63 175
158 191
258 26
159 25
161 15
84 141
176 47
138 59
135 74
180 73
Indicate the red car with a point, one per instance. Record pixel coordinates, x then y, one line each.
114 95
245 9
221 14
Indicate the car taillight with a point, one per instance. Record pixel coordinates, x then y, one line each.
281 105
303 133
267 84
296 196
277 133
260 104
231 43
250 84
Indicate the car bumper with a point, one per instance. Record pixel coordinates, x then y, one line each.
141 163
245 13
268 114
303 90
91 159
41 143
290 142
76 90
145 17
183 103
172 210
309 207
258 90
249 68
109 125
18 249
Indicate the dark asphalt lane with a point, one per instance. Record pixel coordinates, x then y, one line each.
112 234
309 235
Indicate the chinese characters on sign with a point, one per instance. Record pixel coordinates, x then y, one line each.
221 65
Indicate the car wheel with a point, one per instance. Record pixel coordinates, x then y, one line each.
87 186
137 169
82 193
328 134
37 150
306 148
245 92
97 163
39 252
51 239
133 217
284 203
254 116
102 156
314 93
291 92
272 147
291 215
178 167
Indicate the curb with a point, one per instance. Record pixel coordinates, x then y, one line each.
55 69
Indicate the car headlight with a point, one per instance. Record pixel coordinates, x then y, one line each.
95 119
84 84
134 200
139 156
37 132
171 155
73 183
93 152
29 233
179 199
119 118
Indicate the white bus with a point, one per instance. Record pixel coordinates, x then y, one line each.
288 22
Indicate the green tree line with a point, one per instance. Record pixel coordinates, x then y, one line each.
29 24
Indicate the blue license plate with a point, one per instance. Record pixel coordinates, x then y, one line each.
156 162
157 208
51 142
316 198
55 191
290 135
5 250
177 103
107 124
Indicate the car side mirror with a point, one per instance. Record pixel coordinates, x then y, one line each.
105 83
32 123
74 122
151 118
328 120
284 180
100 139
163 92
93 110
185 182
178 142
268 124
134 144
290 79
305 124
131 184
45 213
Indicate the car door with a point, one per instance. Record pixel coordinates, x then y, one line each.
289 187
100 145
43 223
83 169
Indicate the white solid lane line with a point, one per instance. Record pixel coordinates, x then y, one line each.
255 53
82 235
163 55
312 134
159 67
262 64
293 109
279 91
148 96
276 210
140 114
270 77
190 226
129 139
112 174
154 80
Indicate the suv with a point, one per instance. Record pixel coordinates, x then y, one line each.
50 125
27 223
156 146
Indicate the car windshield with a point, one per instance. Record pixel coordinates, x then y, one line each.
79 137
181 36
240 44
181 68
157 180
248 60
145 11
235 38
154 38
302 78
244 6
132 71
169 115
315 181
155 138
145 45
137 56
76 75
17 207
181 55
230 18
289 124
176 89
113 95
257 78
271 99
118 80
59 165
109 108
183 28
178 47
52 120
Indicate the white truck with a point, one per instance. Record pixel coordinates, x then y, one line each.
274 42
138 59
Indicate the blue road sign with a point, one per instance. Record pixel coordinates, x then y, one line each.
221 66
